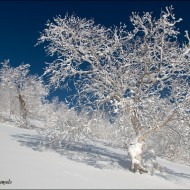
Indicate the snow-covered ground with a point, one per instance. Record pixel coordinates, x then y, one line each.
29 165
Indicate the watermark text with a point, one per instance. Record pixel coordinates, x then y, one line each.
5 182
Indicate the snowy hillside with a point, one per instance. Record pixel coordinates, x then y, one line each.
28 165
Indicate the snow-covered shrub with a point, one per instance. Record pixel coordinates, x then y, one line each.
61 124
172 143
150 163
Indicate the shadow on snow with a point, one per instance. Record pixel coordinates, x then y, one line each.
95 155
99 157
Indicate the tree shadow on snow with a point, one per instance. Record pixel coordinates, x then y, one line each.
171 175
90 154
96 155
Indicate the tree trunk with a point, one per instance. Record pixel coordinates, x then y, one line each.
10 105
136 147
23 110
135 151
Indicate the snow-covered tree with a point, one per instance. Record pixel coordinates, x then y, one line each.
142 74
21 93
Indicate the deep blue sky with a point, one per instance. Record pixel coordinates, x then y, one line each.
21 22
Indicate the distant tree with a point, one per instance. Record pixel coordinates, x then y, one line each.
20 91
142 74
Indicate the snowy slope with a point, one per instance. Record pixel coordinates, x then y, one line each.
28 165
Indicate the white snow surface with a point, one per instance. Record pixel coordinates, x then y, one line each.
94 166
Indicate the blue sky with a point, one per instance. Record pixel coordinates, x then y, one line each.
21 22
